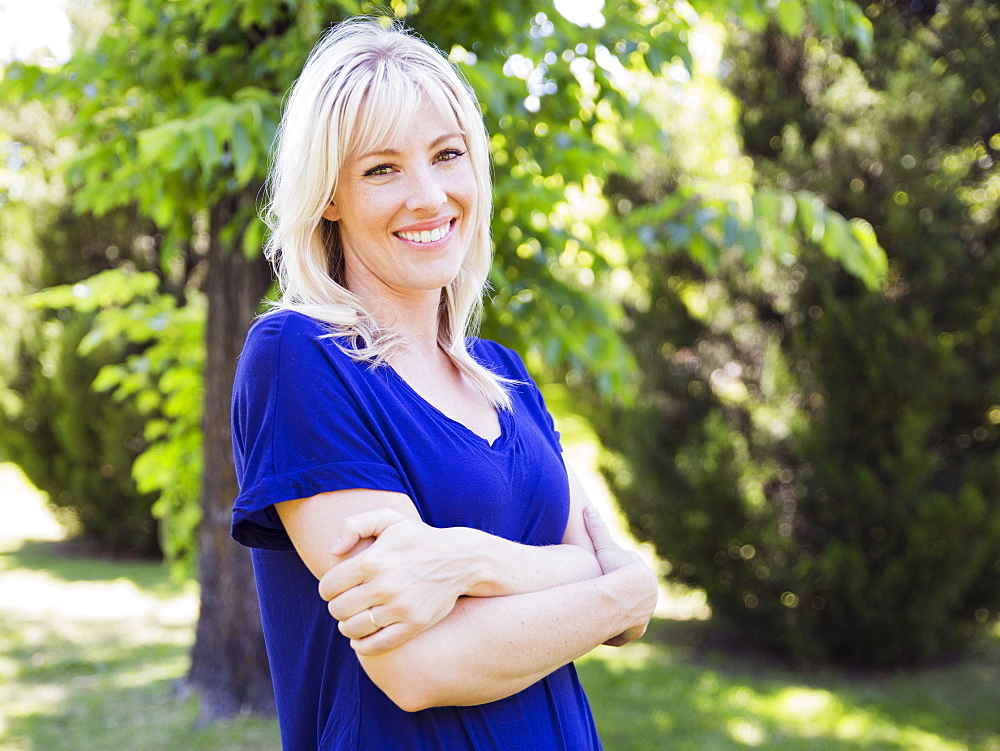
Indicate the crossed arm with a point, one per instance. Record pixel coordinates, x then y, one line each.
459 617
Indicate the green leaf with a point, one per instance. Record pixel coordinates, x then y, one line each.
253 238
853 249
873 256
157 143
108 377
810 215
208 147
791 17
219 15
244 157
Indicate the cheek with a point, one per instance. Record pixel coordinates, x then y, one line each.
468 191
369 211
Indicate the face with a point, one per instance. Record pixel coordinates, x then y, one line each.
404 210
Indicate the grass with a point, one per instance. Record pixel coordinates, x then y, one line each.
91 651
665 694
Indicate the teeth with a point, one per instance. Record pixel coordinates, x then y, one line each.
427 236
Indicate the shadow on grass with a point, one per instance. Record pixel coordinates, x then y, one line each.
91 656
100 685
98 713
91 651
676 689
67 561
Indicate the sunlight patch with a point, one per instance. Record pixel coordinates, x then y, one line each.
39 595
806 703
26 515
746 732
153 672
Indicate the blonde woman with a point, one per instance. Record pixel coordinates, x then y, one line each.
409 467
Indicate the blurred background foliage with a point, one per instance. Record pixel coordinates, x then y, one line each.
756 239
818 454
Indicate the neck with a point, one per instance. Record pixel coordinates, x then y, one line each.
413 315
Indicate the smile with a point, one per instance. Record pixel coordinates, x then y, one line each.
426 236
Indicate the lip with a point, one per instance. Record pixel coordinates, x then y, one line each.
428 226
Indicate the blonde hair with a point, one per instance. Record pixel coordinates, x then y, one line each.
360 85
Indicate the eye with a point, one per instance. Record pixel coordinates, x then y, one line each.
382 169
448 155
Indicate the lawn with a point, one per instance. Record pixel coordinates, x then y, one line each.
91 651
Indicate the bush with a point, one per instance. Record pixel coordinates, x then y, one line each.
822 459
76 445
794 472
73 443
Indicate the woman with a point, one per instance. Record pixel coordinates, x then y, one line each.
414 472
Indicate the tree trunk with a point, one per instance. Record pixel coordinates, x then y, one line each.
228 662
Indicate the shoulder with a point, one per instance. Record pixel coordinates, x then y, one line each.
275 326
286 347
284 334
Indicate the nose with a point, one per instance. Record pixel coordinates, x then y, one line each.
427 193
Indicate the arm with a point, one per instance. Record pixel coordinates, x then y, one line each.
483 565
409 574
481 648
489 648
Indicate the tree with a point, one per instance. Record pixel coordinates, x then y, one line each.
818 455
42 243
180 102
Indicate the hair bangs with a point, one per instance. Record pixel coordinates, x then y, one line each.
392 100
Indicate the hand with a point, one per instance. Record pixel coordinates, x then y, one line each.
395 578
613 557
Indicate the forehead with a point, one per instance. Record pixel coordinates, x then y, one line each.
426 128
390 119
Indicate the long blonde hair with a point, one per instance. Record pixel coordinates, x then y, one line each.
361 84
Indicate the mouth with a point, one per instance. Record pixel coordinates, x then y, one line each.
425 237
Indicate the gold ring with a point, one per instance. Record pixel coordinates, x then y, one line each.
371 617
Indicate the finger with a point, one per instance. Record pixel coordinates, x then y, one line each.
599 533
384 639
364 624
367 524
353 602
341 578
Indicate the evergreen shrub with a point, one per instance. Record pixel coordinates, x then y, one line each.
73 443
824 460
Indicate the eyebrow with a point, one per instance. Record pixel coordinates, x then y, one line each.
394 153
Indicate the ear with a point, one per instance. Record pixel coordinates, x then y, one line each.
331 212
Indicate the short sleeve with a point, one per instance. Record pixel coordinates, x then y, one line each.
302 424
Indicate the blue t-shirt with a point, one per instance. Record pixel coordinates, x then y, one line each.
308 419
